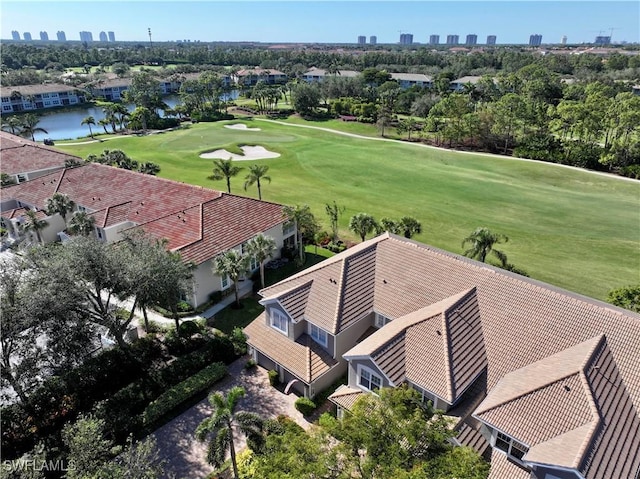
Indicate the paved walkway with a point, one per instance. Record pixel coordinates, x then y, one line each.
185 456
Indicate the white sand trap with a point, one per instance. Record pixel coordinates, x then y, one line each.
250 153
241 126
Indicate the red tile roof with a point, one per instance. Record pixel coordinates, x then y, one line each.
198 222
20 155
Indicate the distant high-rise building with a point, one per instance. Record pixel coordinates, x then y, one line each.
434 39
15 35
44 36
362 40
406 38
103 36
26 36
563 40
112 36
601 40
535 40
86 37
373 40
453 39
472 39
491 39
62 37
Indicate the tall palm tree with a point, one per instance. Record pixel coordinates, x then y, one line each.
219 426
256 173
81 224
304 221
409 226
261 248
224 169
482 241
89 120
233 265
362 224
29 126
12 125
34 224
61 204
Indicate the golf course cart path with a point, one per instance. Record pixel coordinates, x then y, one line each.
421 145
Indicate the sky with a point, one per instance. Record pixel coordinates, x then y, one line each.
328 21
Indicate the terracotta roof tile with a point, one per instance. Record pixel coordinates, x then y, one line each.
295 301
503 468
20 155
345 397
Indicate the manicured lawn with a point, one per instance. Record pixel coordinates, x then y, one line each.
229 318
574 229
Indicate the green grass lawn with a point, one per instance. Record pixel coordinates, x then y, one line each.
570 228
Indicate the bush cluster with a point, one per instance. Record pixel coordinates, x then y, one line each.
182 392
274 379
305 405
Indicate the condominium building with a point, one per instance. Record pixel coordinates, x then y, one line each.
406 38
27 36
112 36
602 40
373 40
453 39
491 39
472 39
535 40
103 36
362 40
15 35
563 40
86 37
44 36
434 39
62 37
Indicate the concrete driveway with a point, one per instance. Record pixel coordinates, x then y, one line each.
185 456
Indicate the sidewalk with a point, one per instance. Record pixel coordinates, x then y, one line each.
185 456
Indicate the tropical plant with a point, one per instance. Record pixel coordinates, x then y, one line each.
34 224
220 425
387 224
61 204
224 169
149 168
261 248
482 242
89 120
81 224
7 180
257 173
333 212
362 224
29 126
305 223
409 226
12 125
231 264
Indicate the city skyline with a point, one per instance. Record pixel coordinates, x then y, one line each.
288 22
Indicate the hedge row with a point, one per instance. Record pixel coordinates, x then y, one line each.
182 392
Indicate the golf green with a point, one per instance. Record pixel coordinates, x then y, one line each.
571 228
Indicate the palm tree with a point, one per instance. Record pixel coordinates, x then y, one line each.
81 224
256 173
261 248
482 242
104 122
221 424
362 224
149 168
409 226
34 224
231 264
29 126
12 125
89 121
61 204
224 169
304 221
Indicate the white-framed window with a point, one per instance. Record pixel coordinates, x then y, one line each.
367 379
288 229
510 446
22 178
7 108
381 320
279 321
319 335
225 282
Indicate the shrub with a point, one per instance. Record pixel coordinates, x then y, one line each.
239 340
183 391
184 307
274 378
305 405
215 297
188 329
250 364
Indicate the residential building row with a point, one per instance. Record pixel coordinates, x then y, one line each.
542 382
197 222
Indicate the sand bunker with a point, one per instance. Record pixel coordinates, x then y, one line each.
241 126
250 153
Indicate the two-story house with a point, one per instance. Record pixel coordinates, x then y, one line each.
317 75
197 222
35 97
249 77
407 80
541 381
